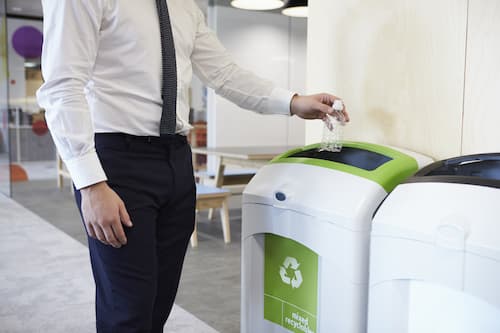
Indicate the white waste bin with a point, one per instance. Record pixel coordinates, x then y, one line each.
435 251
306 225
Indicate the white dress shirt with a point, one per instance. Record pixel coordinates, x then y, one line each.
102 65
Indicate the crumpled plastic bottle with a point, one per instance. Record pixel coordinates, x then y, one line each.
333 129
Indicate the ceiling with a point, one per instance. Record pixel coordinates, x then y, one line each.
33 8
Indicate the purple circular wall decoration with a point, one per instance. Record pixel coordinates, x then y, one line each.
27 41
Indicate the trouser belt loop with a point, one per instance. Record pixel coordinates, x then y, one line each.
128 140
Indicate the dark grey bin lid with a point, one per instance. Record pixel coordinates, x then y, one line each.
479 169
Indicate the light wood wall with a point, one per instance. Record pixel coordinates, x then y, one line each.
482 89
423 75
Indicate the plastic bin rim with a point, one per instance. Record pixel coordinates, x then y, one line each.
388 175
464 180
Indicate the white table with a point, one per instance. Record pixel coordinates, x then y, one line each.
246 157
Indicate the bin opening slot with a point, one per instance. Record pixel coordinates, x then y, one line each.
486 169
359 158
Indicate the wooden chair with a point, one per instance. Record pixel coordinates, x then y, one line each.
233 180
210 197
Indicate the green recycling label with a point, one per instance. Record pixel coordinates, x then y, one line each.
290 284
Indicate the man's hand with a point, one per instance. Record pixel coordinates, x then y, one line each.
103 213
315 106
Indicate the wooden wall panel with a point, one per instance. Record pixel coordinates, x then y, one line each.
398 64
482 90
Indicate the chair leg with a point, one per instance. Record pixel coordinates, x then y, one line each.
210 214
194 235
60 181
224 214
59 170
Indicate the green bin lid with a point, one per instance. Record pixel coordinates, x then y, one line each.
383 165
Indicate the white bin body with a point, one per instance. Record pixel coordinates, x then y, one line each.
330 213
435 260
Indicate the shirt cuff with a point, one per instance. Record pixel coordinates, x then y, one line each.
279 101
86 170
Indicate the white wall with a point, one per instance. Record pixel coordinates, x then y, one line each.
297 72
399 65
272 46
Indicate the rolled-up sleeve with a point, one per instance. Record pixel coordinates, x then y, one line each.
213 64
71 38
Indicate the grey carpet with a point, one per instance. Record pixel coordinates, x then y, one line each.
45 284
210 283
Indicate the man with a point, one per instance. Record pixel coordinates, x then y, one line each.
117 74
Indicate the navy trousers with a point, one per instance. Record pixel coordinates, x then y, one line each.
136 284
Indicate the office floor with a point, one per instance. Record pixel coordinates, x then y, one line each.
44 284
210 284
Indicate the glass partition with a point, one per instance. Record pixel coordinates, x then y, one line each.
32 151
5 186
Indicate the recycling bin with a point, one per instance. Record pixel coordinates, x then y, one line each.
435 251
305 232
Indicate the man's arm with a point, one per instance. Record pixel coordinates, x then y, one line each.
71 30
315 106
216 68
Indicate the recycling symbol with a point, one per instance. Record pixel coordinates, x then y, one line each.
291 264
